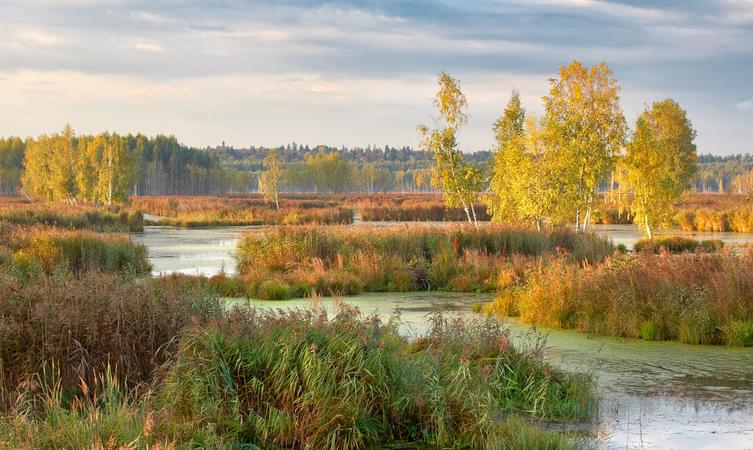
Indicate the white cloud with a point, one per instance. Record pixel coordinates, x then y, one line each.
737 12
148 46
745 105
42 38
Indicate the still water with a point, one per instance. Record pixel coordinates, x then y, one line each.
654 395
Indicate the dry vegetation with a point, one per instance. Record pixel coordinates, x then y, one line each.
290 262
21 211
696 298
162 365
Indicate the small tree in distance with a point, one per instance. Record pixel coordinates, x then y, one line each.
269 181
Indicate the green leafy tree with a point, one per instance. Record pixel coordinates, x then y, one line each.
459 181
269 180
659 164
524 189
584 125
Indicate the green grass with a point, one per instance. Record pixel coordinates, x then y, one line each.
677 244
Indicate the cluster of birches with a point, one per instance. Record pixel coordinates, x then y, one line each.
549 169
106 168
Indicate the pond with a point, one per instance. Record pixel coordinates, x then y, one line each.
654 395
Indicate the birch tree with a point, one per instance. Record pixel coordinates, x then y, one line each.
524 189
459 181
269 180
585 126
660 163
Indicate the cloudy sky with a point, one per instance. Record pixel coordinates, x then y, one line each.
358 72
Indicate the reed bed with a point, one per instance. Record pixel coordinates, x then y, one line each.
72 329
288 262
677 244
234 211
39 249
191 374
418 211
696 298
75 216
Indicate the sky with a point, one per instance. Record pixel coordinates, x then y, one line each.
358 72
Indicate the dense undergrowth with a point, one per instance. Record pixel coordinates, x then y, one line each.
162 365
288 262
696 298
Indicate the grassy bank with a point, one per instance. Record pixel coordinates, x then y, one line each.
31 250
161 365
82 217
291 262
693 298
234 211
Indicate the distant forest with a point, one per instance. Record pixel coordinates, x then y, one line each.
161 165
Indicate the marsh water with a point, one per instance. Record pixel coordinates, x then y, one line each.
654 395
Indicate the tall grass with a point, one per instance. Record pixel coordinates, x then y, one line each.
81 216
161 365
419 211
38 249
692 298
297 261
77 328
247 210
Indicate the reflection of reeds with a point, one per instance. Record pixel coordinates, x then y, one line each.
693 298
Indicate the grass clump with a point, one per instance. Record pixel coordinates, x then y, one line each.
203 211
300 380
77 328
348 260
677 244
695 298
38 249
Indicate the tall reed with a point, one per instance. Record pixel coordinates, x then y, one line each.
692 298
294 261
37 249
